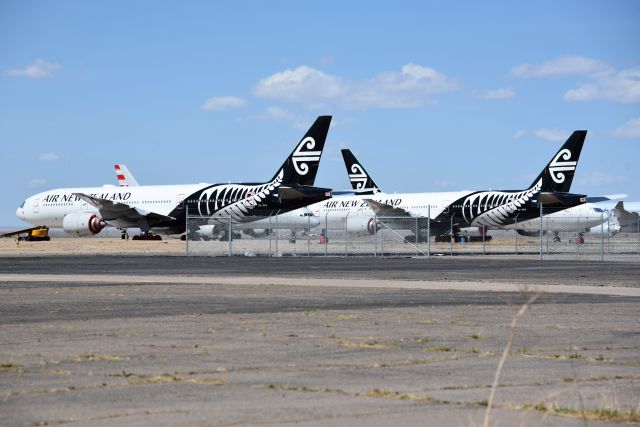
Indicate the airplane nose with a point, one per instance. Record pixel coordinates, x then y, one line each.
20 213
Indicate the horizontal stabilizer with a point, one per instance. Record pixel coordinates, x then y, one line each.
302 192
560 198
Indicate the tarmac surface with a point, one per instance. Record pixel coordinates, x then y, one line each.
499 269
152 340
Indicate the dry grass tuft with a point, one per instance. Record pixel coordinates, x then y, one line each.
96 358
369 345
605 413
396 395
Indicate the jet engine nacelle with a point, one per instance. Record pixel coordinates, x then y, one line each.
474 231
530 233
363 225
83 224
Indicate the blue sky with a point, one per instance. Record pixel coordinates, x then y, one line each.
431 96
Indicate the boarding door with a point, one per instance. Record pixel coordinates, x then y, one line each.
36 206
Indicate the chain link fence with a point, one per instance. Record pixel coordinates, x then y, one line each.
368 235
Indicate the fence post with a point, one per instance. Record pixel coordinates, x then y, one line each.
270 233
428 231
375 235
308 236
602 236
417 236
515 227
547 237
451 237
230 234
186 231
275 235
484 231
638 230
541 228
577 238
382 241
346 235
326 234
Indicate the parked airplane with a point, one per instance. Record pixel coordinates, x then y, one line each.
299 220
622 219
455 210
163 208
125 177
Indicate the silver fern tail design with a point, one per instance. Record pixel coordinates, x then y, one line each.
495 208
235 200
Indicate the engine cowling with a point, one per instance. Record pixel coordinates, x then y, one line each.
474 231
363 225
83 224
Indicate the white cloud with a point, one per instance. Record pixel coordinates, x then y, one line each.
275 113
622 86
630 129
221 103
304 85
408 88
502 93
604 82
48 157
38 70
519 134
36 182
563 66
553 135
600 178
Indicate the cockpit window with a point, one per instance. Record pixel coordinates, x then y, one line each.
22 205
598 210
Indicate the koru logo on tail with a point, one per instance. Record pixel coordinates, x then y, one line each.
558 167
303 154
358 176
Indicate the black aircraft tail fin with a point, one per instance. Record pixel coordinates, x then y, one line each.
558 174
301 166
358 176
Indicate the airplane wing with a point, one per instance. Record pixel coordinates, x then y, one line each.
114 211
26 230
383 209
624 217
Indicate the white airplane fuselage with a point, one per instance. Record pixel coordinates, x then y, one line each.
50 208
576 218
417 204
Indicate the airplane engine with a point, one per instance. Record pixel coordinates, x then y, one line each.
206 232
83 224
363 225
474 231
532 233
